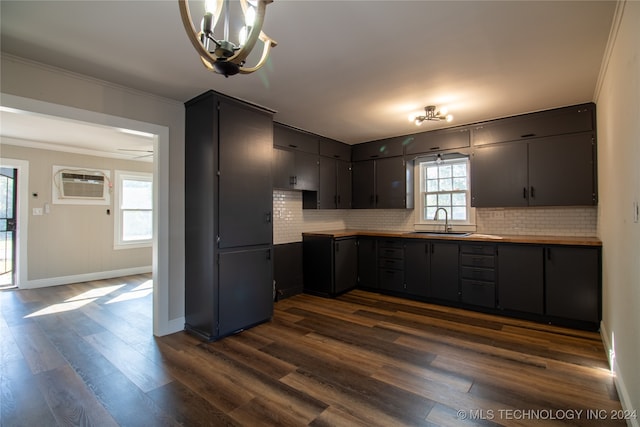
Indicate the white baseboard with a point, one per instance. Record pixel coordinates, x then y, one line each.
85 277
171 327
623 393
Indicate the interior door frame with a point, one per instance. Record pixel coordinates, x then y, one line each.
162 325
22 217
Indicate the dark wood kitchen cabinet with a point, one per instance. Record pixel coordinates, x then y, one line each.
444 272
417 262
228 230
549 171
287 269
335 184
330 265
295 159
335 175
391 265
559 121
383 184
368 262
437 140
478 274
572 285
521 278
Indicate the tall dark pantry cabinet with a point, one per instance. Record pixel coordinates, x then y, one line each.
228 203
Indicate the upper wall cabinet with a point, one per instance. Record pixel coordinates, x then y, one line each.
389 147
439 140
550 171
335 149
560 121
295 159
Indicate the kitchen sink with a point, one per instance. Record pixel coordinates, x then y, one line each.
444 233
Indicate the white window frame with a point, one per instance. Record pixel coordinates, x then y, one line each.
429 224
118 243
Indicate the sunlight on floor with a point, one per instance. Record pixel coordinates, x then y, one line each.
92 295
138 292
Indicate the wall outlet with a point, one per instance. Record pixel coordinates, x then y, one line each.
37 211
636 211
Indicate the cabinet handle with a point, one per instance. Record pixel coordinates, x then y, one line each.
524 193
338 199
337 247
434 148
376 199
293 146
374 156
548 253
268 254
268 216
533 192
337 156
527 135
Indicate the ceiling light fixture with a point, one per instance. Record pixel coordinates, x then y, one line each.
430 113
222 55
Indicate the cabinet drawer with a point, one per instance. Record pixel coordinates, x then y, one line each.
478 249
395 264
392 280
478 293
485 261
399 244
395 253
484 274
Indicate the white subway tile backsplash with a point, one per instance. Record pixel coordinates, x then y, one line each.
290 220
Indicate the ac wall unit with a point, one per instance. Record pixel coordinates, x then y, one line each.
82 186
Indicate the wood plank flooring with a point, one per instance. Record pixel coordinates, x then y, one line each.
84 355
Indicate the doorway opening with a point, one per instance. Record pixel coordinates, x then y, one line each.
8 224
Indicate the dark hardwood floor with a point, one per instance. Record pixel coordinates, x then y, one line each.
84 354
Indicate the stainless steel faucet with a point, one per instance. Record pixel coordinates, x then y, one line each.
446 218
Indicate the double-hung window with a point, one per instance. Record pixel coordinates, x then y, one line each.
133 209
443 184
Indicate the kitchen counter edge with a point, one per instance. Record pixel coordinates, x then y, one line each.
474 237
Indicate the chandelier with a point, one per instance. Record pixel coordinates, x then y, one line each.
222 55
430 113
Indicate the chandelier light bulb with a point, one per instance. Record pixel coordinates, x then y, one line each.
449 117
250 16
210 6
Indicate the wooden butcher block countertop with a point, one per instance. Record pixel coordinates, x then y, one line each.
474 237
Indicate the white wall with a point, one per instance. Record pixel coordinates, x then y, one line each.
618 104
72 240
115 104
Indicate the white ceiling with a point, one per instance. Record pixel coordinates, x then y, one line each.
349 70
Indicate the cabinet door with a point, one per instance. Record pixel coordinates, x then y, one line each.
566 120
428 142
389 147
367 263
287 269
345 265
343 184
246 289
290 138
416 267
443 277
520 278
363 175
561 171
391 183
245 191
284 168
572 278
307 174
335 149
327 196
499 176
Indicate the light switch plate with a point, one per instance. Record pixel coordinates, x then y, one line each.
37 211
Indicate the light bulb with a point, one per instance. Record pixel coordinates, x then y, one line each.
210 6
412 117
449 117
250 17
443 111
242 36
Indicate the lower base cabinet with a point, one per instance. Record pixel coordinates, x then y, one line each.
572 288
416 267
330 265
287 269
443 277
521 278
